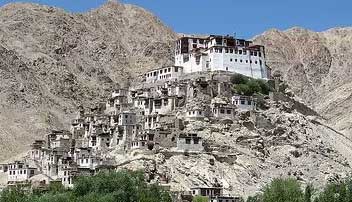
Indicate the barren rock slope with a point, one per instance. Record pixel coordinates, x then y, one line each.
318 67
51 61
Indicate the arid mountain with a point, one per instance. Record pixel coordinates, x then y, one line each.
318 67
52 61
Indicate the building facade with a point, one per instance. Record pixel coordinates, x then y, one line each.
221 53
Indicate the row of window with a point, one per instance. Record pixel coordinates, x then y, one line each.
195 141
222 111
235 51
194 113
250 61
242 102
155 73
20 172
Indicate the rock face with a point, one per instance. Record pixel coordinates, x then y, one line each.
52 61
317 67
243 157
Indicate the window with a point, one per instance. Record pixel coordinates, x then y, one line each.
249 102
244 52
255 53
32 172
194 40
222 111
161 71
241 60
201 41
25 172
240 51
230 59
246 61
196 141
176 69
251 61
235 60
256 62
242 102
188 141
228 111
194 45
227 69
260 62
260 54
220 50
226 50
231 50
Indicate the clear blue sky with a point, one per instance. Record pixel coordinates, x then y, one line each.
245 17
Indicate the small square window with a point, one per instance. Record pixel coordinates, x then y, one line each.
188 141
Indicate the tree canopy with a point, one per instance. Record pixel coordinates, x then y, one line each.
124 186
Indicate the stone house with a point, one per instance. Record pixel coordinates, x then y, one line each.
222 109
207 191
189 142
20 172
36 153
244 103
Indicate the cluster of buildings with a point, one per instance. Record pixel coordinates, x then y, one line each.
151 116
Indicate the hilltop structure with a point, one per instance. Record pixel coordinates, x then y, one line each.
221 53
151 116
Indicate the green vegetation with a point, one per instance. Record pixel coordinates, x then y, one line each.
105 187
290 190
200 199
248 86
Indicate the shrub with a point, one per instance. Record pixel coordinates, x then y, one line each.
283 190
200 199
239 79
246 86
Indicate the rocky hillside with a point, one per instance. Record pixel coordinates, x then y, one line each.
244 156
52 61
318 67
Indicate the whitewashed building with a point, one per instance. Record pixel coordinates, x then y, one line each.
244 103
20 172
221 53
163 74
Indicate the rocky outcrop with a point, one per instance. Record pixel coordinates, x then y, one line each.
317 67
53 61
243 160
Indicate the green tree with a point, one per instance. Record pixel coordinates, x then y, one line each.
239 79
124 186
308 192
256 198
200 199
283 190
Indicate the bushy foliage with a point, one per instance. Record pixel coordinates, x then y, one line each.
248 86
336 192
239 79
283 190
105 187
200 199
